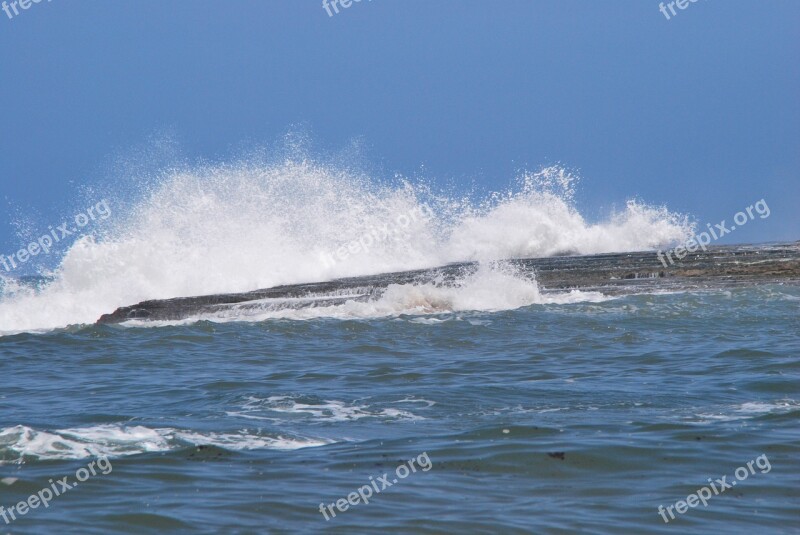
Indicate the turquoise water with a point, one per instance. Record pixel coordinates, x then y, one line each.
549 418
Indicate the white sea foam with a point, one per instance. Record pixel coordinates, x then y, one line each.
490 289
19 442
285 408
749 410
255 225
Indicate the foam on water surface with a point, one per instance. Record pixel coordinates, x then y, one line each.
20 442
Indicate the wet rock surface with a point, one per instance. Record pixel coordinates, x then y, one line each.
616 273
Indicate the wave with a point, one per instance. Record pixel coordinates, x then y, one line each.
293 408
492 288
20 442
231 228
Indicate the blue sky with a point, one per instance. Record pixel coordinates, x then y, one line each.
699 112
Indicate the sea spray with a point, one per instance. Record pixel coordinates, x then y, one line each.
230 228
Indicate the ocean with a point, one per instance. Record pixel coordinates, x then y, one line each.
488 401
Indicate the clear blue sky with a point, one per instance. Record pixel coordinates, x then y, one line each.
700 112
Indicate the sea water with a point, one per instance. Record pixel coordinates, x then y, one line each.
524 411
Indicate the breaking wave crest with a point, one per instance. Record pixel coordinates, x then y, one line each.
257 224
21 442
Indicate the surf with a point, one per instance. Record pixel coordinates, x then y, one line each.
261 222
